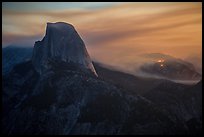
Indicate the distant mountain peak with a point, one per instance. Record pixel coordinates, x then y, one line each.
167 66
62 43
60 23
60 27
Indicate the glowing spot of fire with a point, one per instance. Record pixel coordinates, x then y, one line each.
160 60
162 65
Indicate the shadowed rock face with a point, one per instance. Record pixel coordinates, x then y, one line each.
61 43
64 101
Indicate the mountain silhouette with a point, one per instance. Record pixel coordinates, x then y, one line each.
61 43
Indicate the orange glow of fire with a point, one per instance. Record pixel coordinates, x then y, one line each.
160 60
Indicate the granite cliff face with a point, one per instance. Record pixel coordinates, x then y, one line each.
61 43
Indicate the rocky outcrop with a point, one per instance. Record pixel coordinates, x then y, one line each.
61 43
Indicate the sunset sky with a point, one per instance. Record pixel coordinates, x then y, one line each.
114 33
